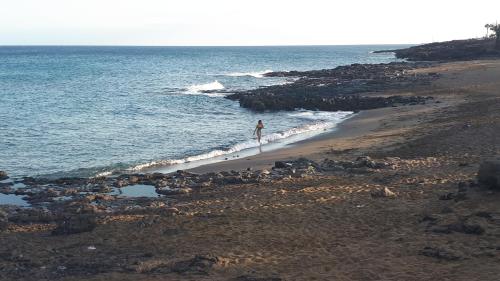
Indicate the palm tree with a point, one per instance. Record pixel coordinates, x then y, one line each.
495 28
487 26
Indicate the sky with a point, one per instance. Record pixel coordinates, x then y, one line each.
241 22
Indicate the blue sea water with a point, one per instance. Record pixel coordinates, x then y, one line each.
83 111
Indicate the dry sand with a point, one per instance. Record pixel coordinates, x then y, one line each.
324 227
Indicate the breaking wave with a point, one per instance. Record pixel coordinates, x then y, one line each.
323 121
216 85
257 74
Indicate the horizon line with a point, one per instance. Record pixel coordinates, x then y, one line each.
270 45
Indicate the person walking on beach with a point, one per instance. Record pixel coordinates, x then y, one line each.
258 130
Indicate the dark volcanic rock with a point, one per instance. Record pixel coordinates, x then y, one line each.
281 165
441 254
337 89
383 192
489 174
32 215
174 191
460 227
75 224
200 264
449 51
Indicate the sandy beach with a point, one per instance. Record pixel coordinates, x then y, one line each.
414 212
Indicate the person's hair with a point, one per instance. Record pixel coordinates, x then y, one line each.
260 121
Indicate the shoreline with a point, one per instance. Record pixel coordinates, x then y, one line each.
246 153
397 199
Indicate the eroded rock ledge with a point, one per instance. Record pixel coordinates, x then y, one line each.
342 88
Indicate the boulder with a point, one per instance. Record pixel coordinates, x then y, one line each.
133 179
460 227
384 192
489 174
102 188
200 264
3 175
440 254
281 165
121 183
174 191
75 224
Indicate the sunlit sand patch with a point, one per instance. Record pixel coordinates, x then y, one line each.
31 228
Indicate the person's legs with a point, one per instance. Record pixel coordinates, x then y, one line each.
259 134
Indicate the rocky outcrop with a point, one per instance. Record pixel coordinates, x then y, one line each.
337 89
449 51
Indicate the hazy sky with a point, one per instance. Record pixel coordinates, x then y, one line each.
237 22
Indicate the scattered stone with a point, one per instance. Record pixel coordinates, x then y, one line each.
133 179
447 196
102 188
363 164
200 264
170 211
485 215
489 174
384 192
440 254
460 227
281 165
174 191
120 183
3 175
75 224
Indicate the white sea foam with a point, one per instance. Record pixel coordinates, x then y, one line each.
216 85
256 74
320 115
322 122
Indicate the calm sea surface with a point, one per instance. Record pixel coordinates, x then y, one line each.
82 111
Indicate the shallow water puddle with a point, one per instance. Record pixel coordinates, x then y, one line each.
137 190
12 199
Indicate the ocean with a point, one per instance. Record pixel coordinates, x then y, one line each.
87 111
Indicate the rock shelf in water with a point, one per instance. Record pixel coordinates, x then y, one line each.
343 88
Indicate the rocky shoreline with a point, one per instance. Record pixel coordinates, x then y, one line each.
344 88
409 199
456 50
55 201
